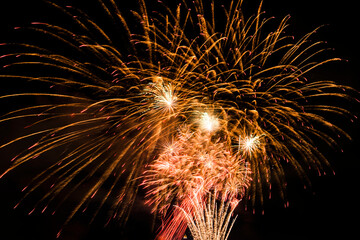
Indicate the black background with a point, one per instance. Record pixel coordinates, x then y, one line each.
329 210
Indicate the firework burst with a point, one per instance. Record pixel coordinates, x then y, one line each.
192 167
112 109
195 163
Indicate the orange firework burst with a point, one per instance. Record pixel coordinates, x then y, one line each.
242 93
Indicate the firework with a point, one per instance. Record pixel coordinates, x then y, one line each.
194 163
193 166
113 106
208 219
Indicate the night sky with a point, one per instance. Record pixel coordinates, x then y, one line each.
329 210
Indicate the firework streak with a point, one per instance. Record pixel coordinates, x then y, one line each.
185 106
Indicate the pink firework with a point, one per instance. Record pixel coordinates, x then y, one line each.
192 166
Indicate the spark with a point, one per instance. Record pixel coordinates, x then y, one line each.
163 95
208 122
109 105
209 220
250 144
198 167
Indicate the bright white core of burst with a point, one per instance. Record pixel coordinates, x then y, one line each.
167 97
249 143
208 122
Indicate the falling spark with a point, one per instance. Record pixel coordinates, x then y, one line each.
109 105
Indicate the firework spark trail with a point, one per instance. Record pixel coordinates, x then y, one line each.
119 106
176 223
193 166
194 162
209 220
